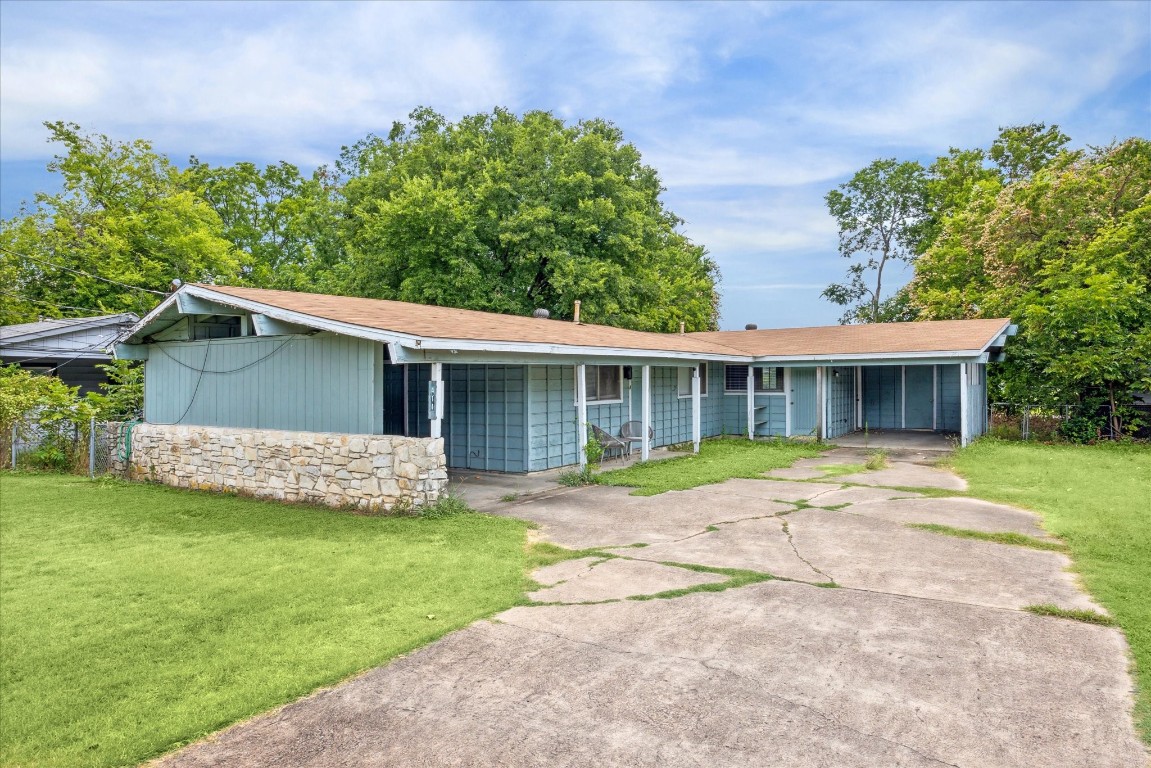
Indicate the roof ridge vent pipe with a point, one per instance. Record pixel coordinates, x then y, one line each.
751 327
577 303
541 313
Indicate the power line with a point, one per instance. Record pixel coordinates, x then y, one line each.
81 272
58 306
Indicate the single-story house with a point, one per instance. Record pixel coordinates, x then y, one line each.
68 348
517 394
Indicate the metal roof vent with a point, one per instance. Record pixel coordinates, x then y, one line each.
751 327
541 313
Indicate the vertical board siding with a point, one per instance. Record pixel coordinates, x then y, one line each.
948 394
804 398
920 400
883 397
323 383
551 417
419 425
840 401
771 414
486 417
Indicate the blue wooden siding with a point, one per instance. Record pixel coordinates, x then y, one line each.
770 414
948 394
804 401
485 418
840 401
551 417
919 401
883 397
324 383
419 425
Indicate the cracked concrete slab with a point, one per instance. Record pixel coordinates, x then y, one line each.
602 516
906 474
858 495
884 556
775 674
768 489
753 545
796 473
972 514
618 579
563 570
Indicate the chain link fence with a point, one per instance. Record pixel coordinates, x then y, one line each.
96 448
1023 421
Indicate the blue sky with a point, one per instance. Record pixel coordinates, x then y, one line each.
751 112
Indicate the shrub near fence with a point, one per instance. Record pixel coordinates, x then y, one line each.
1074 423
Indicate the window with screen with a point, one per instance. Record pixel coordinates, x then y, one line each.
685 381
767 379
604 383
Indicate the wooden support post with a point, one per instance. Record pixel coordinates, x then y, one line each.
964 406
695 409
581 412
859 397
436 400
92 447
751 402
645 415
821 401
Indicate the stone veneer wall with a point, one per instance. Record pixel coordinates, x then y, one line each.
370 472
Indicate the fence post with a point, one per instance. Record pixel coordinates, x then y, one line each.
92 447
13 446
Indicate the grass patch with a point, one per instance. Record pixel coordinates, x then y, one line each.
1000 537
1095 498
736 578
508 498
717 460
541 554
139 618
1090 617
876 460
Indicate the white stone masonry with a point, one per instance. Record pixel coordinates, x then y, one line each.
369 472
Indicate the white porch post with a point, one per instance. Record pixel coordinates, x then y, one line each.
788 402
436 398
751 402
964 406
859 397
695 409
645 414
821 401
581 412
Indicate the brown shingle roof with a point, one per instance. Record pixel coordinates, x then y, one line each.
463 324
876 339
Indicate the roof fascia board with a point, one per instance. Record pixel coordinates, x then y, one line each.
299 318
148 319
1000 337
544 348
870 358
415 355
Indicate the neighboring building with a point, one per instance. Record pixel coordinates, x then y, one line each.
69 348
515 394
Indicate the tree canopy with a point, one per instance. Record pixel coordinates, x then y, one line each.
495 212
1065 251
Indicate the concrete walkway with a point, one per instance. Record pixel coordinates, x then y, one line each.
875 644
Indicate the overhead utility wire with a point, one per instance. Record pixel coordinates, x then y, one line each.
58 306
81 272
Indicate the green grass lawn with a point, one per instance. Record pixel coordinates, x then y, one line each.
1098 500
135 618
717 461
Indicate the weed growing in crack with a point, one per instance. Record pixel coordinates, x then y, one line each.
1001 537
508 498
1090 617
877 459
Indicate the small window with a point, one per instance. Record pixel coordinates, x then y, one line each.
604 383
685 381
767 379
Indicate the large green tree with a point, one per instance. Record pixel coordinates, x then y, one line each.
124 218
506 213
1064 250
880 213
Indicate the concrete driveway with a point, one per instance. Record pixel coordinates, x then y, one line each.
876 644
